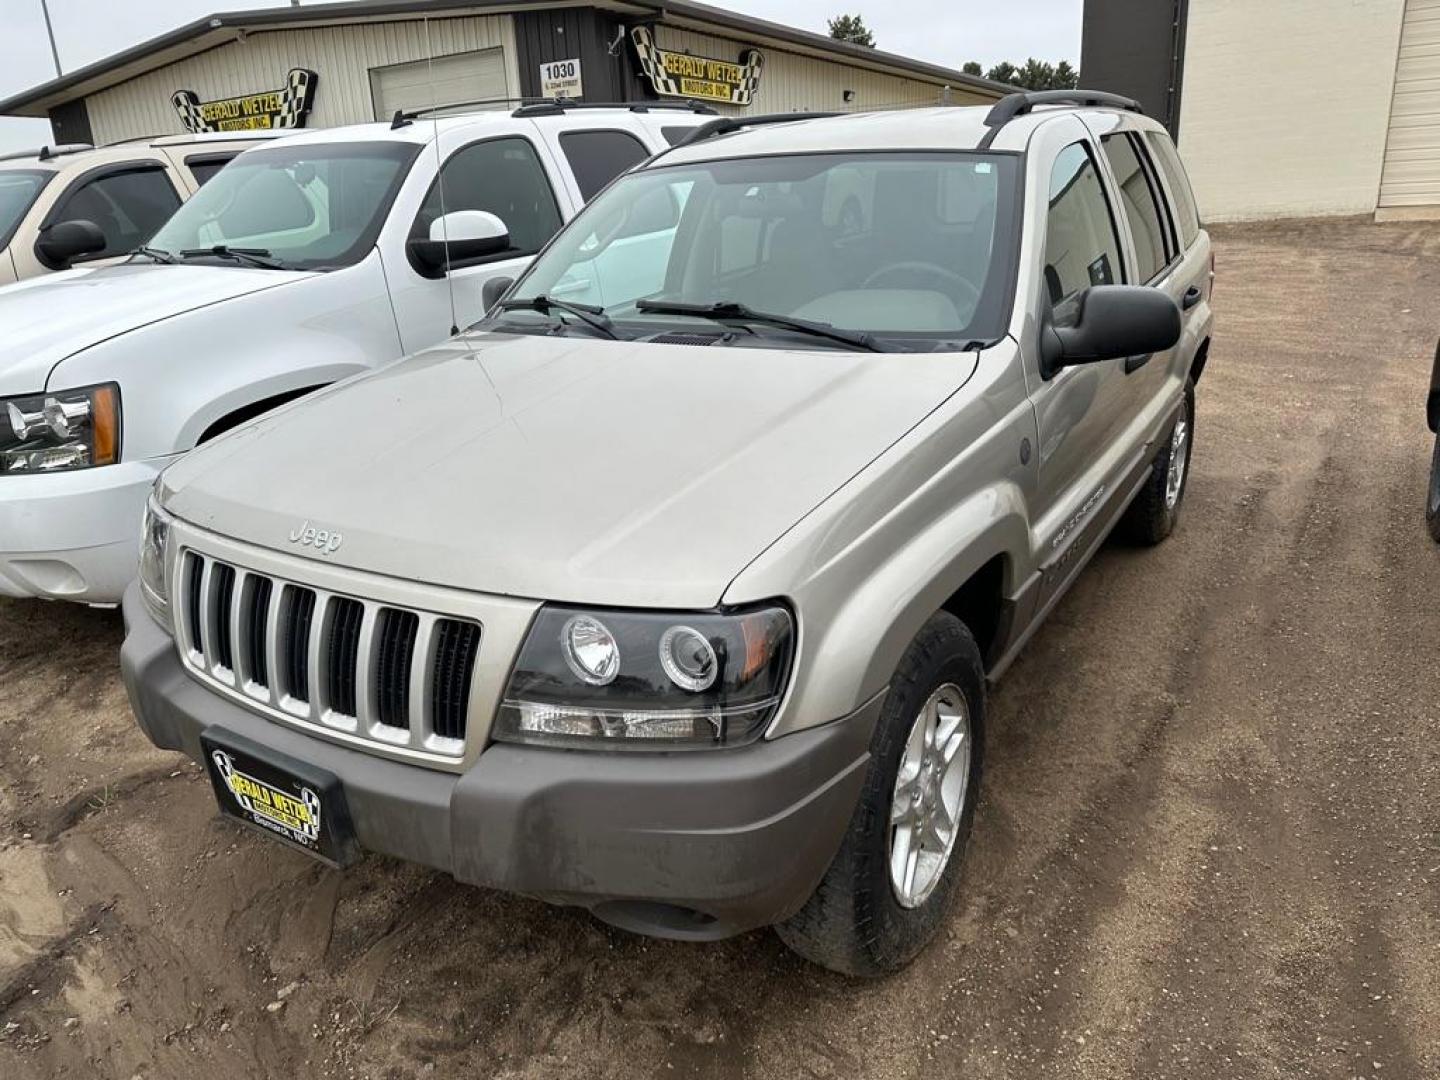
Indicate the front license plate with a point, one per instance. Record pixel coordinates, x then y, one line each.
285 798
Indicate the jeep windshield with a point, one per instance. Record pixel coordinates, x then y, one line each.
18 190
306 207
898 251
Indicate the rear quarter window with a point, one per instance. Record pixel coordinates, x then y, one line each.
597 157
1187 214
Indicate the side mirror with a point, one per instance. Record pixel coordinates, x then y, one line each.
1108 322
66 241
492 291
468 234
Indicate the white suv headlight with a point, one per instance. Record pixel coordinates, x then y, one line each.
56 432
154 539
648 680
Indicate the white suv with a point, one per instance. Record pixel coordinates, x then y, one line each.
301 263
61 206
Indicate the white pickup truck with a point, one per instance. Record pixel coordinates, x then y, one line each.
301 263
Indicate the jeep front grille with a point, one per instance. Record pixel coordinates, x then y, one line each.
399 678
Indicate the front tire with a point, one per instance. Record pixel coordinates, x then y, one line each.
1156 510
890 886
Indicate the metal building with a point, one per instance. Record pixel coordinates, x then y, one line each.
361 61
1287 107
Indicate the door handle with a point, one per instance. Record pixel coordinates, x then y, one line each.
1193 296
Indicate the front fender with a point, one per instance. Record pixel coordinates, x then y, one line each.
178 376
865 570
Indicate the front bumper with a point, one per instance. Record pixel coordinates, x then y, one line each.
73 535
699 844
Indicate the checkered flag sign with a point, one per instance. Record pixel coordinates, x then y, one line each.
283 108
187 104
652 63
299 86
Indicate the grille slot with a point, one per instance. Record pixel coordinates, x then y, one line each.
393 662
456 646
195 579
295 629
253 622
344 647
222 593
397 679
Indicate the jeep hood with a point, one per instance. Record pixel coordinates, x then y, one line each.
47 319
569 469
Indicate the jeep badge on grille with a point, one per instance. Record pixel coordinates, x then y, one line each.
322 540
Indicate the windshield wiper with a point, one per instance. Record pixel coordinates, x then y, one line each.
589 314
729 311
249 256
154 253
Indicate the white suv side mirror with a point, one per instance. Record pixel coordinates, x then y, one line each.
460 238
461 225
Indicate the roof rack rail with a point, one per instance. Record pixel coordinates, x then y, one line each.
405 116
47 153
556 106
1013 105
723 125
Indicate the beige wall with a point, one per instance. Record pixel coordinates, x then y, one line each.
791 81
1286 104
342 55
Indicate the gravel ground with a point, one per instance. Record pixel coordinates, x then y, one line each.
1208 844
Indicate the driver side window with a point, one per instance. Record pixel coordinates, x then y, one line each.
503 177
1082 247
128 207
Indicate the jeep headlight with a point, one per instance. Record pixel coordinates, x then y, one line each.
658 680
154 539
67 429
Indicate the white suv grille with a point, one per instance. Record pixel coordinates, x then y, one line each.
399 678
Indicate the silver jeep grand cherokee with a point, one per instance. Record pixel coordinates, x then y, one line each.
672 589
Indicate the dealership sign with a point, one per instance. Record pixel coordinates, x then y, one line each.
283 108
676 74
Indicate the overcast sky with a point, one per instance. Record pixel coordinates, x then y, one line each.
943 31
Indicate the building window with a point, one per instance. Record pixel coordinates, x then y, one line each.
597 157
1142 210
1081 246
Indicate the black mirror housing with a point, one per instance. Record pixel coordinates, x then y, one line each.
429 256
65 241
1110 322
492 291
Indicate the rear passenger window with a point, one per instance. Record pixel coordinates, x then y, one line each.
1142 209
676 134
1081 245
205 168
1187 215
597 157
503 177
128 206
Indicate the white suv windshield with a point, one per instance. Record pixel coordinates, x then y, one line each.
309 207
913 249
18 188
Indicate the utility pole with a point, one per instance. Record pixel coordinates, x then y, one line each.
50 30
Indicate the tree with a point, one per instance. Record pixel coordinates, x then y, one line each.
1033 75
851 28
972 67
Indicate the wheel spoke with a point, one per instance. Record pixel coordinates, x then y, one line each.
912 863
902 806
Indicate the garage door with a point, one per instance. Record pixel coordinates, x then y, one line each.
447 80
1412 154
